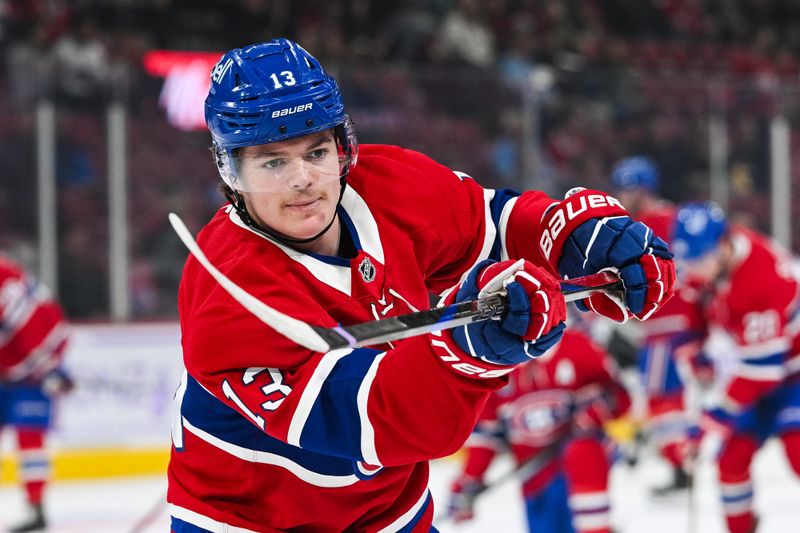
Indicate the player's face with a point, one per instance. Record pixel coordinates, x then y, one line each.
292 186
705 268
631 199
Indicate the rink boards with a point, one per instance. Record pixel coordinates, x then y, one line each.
117 420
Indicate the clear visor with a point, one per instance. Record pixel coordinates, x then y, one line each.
698 268
295 168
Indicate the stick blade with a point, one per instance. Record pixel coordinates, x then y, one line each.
296 330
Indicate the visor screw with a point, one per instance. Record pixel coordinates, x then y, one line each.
309 122
282 128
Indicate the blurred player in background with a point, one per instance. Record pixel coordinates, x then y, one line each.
273 436
670 343
551 416
754 298
33 337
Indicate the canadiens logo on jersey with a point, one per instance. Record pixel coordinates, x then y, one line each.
538 418
367 270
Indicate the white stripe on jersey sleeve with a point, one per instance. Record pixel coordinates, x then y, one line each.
367 431
765 349
261 457
403 520
310 393
204 522
505 214
761 373
491 230
177 418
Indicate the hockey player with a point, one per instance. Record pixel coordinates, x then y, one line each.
636 182
33 337
271 436
551 415
670 345
755 300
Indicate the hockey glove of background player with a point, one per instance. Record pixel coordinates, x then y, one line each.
56 383
597 404
590 231
688 448
533 323
461 505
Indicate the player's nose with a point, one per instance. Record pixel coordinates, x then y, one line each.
302 177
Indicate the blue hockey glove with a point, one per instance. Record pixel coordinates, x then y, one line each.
533 323
629 248
590 231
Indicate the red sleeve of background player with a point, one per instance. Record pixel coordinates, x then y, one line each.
759 302
487 439
32 333
601 396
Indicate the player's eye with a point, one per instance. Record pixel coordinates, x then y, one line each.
273 164
319 153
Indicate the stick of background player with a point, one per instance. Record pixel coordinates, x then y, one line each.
553 411
33 337
274 435
464 498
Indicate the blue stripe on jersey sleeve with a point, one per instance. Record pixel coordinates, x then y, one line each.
501 198
204 411
409 528
738 498
775 359
179 526
333 425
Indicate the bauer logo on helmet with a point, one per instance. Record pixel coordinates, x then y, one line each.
292 110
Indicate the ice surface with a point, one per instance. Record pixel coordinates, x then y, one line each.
115 506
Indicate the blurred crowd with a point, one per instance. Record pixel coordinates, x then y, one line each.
743 35
519 93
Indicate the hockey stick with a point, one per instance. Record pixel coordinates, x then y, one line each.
523 471
322 339
152 514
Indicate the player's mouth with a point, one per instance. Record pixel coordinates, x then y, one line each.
305 204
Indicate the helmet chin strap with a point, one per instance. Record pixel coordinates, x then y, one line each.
237 201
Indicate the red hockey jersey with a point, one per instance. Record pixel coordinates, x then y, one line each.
272 437
535 412
757 304
683 313
32 330
659 218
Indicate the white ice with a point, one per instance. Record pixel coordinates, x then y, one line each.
115 506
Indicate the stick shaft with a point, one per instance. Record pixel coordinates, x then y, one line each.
451 316
322 339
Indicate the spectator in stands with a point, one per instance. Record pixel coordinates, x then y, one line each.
465 38
82 65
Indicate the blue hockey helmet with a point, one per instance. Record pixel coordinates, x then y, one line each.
697 230
638 172
270 92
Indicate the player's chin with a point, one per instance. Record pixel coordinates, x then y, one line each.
306 225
